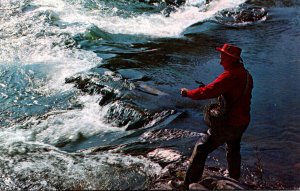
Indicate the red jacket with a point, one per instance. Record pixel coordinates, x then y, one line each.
231 83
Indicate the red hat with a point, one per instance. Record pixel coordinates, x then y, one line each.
231 50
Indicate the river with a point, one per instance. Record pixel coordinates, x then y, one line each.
142 52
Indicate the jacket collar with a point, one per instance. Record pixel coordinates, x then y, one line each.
232 66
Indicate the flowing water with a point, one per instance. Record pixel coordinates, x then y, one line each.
145 52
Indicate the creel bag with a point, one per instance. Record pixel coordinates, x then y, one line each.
215 114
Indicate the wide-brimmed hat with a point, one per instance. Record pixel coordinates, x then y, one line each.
230 50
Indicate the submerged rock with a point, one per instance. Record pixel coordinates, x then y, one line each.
133 75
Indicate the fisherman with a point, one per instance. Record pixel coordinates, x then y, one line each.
235 84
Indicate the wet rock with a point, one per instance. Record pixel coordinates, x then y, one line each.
125 114
222 183
170 5
150 1
251 15
108 95
150 90
211 182
160 116
93 33
276 3
167 134
107 83
81 83
176 168
164 156
171 171
85 84
91 86
132 117
175 2
168 10
162 186
197 186
117 94
245 14
168 2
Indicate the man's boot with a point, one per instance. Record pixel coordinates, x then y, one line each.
178 185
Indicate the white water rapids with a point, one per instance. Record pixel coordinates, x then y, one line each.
33 49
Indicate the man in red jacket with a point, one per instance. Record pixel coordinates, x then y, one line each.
235 84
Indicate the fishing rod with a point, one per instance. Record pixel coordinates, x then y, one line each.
201 84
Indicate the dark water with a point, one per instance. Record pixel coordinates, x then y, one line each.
41 113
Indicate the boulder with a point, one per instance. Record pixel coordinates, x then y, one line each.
129 115
162 186
85 84
176 167
108 95
197 186
251 14
244 14
175 2
165 156
116 94
126 114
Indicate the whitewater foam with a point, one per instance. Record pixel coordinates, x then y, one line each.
37 166
156 25
31 38
66 126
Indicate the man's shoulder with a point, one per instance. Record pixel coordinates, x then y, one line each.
226 74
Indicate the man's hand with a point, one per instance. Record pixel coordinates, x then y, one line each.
183 92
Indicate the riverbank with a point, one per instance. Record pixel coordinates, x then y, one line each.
174 165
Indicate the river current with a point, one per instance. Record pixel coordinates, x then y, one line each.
144 52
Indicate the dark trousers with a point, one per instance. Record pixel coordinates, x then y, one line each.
208 143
